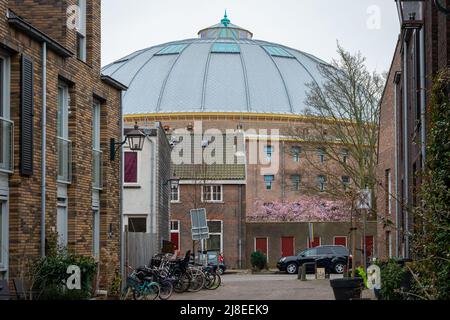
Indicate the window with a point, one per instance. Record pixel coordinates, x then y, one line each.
214 243
61 222
131 165
346 182
324 251
96 233
322 180
171 49
296 182
212 194
277 52
97 154
268 151
6 125
225 48
321 153
269 182
62 131
344 153
388 193
137 225
296 153
310 253
175 193
81 34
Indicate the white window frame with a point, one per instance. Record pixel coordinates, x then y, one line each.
147 221
389 189
4 244
178 194
269 155
271 182
96 233
211 192
5 112
96 138
138 161
63 235
82 49
218 234
346 240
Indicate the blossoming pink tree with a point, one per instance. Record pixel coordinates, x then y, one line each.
305 209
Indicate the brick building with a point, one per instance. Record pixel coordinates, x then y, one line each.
58 114
226 80
422 51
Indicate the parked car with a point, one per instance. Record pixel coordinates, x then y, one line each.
214 259
333 258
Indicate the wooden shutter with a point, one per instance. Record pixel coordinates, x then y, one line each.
26 117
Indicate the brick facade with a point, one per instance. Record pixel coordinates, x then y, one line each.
412 120
85 85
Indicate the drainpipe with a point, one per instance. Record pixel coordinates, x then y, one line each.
44 146
152 192
397 204
423 97
121 222
405 146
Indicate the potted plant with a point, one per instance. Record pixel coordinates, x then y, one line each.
347 288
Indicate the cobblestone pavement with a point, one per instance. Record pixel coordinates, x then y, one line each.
264 287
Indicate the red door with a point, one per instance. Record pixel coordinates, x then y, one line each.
340 241
261 245
315 243
369 246
287 246
175 239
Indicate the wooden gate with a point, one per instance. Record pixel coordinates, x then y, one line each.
140 248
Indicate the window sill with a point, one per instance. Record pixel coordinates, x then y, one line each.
175 202
6 171
214 202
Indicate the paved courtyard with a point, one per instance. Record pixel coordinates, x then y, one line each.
264 287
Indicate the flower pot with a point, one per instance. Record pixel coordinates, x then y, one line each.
347 288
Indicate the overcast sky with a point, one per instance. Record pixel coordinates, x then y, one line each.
314 26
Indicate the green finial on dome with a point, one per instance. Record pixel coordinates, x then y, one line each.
225 21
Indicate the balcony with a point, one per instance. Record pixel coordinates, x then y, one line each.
97 169
64 161
6 147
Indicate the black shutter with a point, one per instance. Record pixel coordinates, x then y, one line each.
26 117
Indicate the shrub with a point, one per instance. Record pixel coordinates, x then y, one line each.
51 275
392 276
258 260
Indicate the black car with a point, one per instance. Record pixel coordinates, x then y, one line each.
333 258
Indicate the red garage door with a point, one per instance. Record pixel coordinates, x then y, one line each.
340 241
261 245
287 246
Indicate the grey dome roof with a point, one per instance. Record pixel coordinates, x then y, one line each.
223 70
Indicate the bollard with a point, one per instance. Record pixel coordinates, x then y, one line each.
304 272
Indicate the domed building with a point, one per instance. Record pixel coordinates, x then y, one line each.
227 79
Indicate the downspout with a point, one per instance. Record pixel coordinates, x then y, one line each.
152 193
122 231
405 147
423 98
397 204
44 146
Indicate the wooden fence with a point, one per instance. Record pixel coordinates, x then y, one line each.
139 249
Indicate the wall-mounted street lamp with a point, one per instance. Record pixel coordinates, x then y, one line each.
135 139
410 13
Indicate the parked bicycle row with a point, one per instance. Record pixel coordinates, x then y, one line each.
167 274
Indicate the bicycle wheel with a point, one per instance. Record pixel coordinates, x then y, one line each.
182 283
166 290
216 282
150 291
197 278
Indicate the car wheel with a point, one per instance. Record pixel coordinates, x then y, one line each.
339 268
292 268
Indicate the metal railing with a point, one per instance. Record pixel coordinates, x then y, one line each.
6 145
97 169
64 161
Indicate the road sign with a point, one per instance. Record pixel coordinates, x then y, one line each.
200 230
364 200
